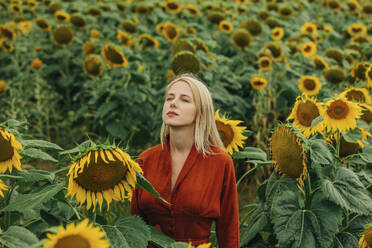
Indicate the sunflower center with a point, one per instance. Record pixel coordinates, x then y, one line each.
307 49
114 56
226 133
171 32
172 6
366 115
61 17
6 149
306 113
265 63
338 110
72 241
351 6
355 95
42 24
309 29
309 84
258 82
369 74
225 27
63 35
356 30
99 176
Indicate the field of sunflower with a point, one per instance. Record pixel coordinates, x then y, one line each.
81 92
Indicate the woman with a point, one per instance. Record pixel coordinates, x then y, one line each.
190 170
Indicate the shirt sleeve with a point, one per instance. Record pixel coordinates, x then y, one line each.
227 225
134 207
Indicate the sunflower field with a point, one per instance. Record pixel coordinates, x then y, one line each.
82 85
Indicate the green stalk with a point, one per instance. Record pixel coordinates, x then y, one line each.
244 175
308 194
338 144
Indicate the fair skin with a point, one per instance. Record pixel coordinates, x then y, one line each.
179 112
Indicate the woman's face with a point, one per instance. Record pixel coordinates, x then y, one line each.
179 107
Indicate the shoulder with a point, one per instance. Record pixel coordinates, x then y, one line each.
220 157
150 152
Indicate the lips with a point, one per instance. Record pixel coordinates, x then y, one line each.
171 113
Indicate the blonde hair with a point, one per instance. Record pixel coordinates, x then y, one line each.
206 133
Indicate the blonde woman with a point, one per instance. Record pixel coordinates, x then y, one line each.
191 170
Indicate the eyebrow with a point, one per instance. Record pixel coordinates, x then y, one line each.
171 94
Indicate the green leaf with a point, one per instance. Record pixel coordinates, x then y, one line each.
179 245
40 144
146 185
320 153
16 237
367 154
347 191
251 153
116 238
256 223
33 175
77 149
37 154
159 238
353 135
14 123
362 124
135 231
24 202
316 121
106 108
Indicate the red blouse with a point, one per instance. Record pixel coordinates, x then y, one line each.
205 190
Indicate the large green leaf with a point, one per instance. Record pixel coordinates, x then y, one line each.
159 238
16 237
347 191
24 202
40 144
320 153
296 227
146 185
33 175
135 231
116 238
37 154
353 135
251 153
179 245
256 223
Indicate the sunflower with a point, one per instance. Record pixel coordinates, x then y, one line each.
121 7
80 235
9 155
320 63
231 134
15 8
94 34
346 148
360 95
216 17
172 6
61 16
108 174
366 240
89 47
149 41
43 24
272 22
182 45
226 27
349 59
286 12
185 62
93 66
309 85
277 33
305 110
25 27
78 21
366 113
263 15
352 6
123 37
7 32
258 83
309 28
359 71
7 47
293 49
308 49
265 63
93 11
335 54
367 9
113 56
340 114
334 75
288 152
200 45
241 39
54 7
357 28
328 29
275 50
334 4
143 10
170 32
63 36
252 26
192 10
2 87
37 64
3 187
369 76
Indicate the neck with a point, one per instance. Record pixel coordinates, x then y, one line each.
181 139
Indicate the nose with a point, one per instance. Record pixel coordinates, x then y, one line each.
173 103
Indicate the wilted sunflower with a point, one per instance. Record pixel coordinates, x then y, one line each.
334 4
192 10
89 47
185 62
63 36
357 28
340 114
359 71
170 32
3 187
335 54
93 66
305 110
182 45
258 83
78 21
94 34
2 87
143 9
366 240
353 6
123 37
93 11
272 22
241 39
334 75
43 24
369 76
200 45
108 174
216 17
265 63
309 28
293 49
61 16
277 33
172 6
226 27
7 32
121 7
263 15
360 95
320 63
275 50
288 152
308 49
9 155
252 26
309 85
360 39
77 236
54 7
113 56
147 41
346 148
36 64
231 134
366 113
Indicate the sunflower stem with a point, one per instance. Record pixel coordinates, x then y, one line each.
245 174
308 194
338 144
